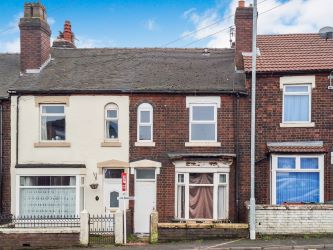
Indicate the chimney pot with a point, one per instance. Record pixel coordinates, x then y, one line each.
241 3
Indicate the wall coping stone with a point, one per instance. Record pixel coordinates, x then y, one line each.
39 230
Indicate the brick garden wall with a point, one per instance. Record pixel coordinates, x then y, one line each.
294 219
38 240
171 123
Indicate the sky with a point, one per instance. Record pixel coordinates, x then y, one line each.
163 23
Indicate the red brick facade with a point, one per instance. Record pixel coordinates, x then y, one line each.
269 116
171 131
6 197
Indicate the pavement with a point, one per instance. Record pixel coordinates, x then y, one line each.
236 244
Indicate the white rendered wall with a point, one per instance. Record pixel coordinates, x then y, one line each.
84 132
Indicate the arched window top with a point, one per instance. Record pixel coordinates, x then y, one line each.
111 121
145 122
145 106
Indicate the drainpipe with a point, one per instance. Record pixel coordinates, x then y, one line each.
237 172
17 127
1 161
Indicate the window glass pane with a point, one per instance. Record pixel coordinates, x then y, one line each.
200 202
181 201
297 187
203 113
180 178
145 133
296 88
296 108
286 162
112 113
222 202
113 173
114 202
199 178
145 173
53 128
47 201
112 129
53 109
223 178
203 132
47 180
309 163
145 116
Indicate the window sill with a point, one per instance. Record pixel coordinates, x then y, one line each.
202 144
111 144
52 144
144 144
297 125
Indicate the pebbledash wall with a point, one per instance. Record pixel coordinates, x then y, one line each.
171 132
269 117
83 145
294 219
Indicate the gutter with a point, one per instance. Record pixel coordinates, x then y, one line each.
113 91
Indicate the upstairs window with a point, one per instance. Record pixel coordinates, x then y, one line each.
297 103
53 125
145 123
203 125
111 121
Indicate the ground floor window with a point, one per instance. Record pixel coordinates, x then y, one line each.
297 179
201 195
48 195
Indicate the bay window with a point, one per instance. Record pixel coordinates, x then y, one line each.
48 195
297 103
52 119
297 179
201 195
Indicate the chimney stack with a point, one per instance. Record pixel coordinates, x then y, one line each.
244 24
35 38
65 38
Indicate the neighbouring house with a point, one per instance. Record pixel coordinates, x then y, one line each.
294 135
171 118
9 73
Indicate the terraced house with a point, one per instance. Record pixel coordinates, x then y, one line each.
176 121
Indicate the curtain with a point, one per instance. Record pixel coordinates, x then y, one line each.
297 187
47 201
201 197
296 108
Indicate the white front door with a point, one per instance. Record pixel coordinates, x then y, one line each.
145 199
112 189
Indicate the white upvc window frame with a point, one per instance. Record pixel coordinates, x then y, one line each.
308 93
111 106
216 184
145 107
77 187
275 169
191 121
41 114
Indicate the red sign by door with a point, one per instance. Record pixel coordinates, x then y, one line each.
123 181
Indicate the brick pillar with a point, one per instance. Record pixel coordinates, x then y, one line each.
243 23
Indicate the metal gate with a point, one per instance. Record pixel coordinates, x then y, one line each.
101 229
